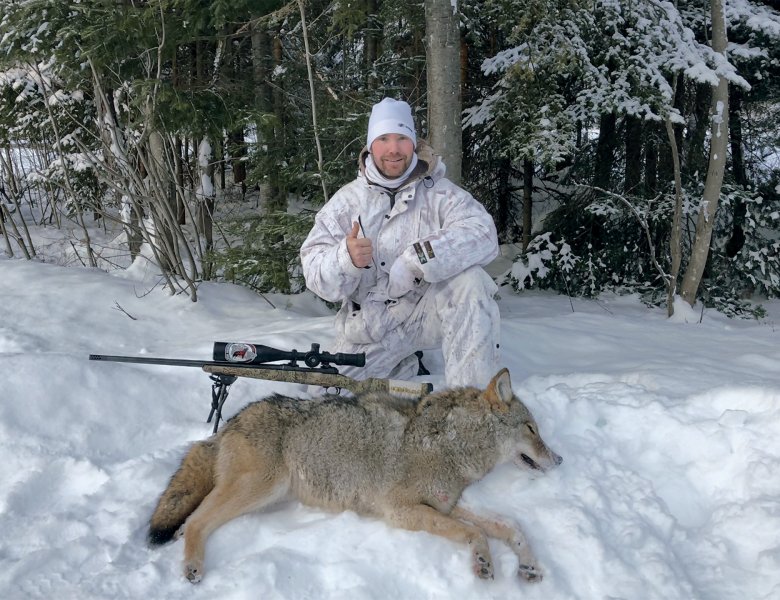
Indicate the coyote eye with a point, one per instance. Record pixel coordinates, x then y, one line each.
531 428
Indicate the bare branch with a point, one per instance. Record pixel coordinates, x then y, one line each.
643 223
313 100
118 307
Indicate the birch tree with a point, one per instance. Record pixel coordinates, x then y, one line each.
719 138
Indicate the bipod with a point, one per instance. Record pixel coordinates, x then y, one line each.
219 393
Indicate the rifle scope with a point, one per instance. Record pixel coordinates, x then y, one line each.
258 354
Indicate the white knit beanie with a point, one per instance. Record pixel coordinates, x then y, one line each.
391 116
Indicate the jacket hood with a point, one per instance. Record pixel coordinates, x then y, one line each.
429 163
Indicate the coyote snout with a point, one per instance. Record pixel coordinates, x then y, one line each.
372 454
534 453
553 460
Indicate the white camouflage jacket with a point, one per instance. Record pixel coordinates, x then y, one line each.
436 223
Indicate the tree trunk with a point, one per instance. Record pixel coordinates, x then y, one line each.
373 36
737 239
178 169
695 141
675 236
277 198
651 161
9 249
605 152
719 114
9 174
206 196
132 221
633 150
261 58
503 193
163 215
528 188
237 152
261 52
443 78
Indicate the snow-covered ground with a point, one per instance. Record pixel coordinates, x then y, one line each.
669 430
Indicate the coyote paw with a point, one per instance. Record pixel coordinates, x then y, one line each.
482 566
193 572
529 573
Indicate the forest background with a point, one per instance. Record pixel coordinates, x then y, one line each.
629 147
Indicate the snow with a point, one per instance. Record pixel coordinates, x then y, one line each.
669 428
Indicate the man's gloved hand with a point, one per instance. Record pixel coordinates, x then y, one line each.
404 277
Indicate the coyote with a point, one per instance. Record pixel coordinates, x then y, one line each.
373 454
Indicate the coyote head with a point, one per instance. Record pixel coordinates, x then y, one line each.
518 434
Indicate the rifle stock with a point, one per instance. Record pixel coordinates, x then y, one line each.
396 387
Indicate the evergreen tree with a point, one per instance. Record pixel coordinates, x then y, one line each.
572 110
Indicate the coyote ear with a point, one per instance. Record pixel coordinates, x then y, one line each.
499 392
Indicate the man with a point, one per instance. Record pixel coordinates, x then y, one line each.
403 248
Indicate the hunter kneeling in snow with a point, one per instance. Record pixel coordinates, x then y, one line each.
402 247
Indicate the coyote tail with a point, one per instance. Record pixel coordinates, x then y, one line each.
186 490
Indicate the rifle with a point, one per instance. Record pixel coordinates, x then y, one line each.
239 359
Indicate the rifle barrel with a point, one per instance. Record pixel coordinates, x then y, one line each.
174 362
178 362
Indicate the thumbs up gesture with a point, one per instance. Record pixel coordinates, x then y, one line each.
360 249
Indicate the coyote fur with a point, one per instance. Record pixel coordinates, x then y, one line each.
373 454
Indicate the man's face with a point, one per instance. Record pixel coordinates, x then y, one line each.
392 154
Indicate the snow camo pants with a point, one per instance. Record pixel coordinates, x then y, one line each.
459 315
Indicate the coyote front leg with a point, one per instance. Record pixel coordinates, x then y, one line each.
421 517
498 528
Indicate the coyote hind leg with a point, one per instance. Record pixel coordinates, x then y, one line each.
425 518
246 479
245 493
498 528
